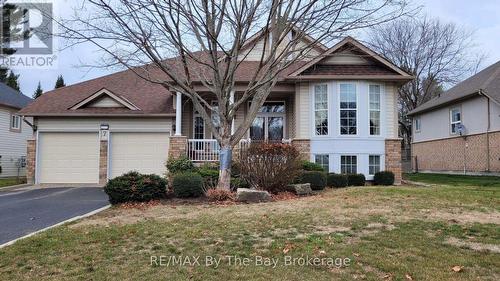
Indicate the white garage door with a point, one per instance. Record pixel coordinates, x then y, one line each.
143 152
68 158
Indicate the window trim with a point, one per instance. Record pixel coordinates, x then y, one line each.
379 110
328 158
328 117
266 115
349 155
379 163
419 122
340 109
11 123
459 108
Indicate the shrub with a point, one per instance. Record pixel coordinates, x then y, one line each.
383 178
356 179
269 167
219 195
133 186
238 183
317 179
337 180
311 166
187 184
210 176
179 165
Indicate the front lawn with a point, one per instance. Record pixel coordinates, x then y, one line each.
5 182
461 180
387 233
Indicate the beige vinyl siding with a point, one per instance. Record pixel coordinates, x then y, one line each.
345 57
303 111
391 110
92 124
255 53
12 144
105 102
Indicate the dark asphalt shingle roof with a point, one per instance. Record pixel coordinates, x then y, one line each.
12 98
487 81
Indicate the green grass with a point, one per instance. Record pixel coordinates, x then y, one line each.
5 182
386 232
456 180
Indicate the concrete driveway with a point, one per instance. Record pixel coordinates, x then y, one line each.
26 211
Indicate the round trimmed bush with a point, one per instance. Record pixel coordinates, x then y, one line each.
384 178
336 180
210 176
134 186
311 166
317 179
356 179
179 165
187 184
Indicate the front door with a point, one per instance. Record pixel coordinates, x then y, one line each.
269 125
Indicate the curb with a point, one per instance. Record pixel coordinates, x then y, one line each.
56 225
14 187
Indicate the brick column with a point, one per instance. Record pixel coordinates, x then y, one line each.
304 147
177 146
393 159
103 162
31 161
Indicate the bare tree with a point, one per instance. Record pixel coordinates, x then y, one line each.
438 55
185 44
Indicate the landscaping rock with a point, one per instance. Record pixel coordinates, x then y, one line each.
252 195
300 188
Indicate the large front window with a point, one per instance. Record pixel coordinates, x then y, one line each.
348 109
374 110
269 124
321 109
348 164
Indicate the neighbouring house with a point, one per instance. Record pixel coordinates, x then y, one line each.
339 107
459 131
14 132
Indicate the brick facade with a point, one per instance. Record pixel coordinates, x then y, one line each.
457 154
393 158
31 161
304 147
177 147
103 162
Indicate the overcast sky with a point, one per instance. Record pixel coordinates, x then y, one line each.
481 16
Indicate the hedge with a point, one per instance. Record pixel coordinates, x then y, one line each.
384 178
317 179
337 180
134 186
187 184
356 179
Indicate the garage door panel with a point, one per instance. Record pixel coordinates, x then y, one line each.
142 152
68 158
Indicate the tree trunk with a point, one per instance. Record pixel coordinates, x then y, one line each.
226 157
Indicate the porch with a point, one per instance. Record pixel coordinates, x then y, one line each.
275 122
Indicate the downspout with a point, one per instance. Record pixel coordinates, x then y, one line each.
488 160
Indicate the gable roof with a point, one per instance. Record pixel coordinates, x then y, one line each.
485 82
12 98
378 68
105 93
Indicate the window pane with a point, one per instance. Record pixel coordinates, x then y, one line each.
277 107
323 160
348 164
348 106
275 128
374 164
321 109
257 129
198 127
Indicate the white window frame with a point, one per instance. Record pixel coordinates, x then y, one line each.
327 110
455 122
349 155
267 115
322 164
15 122
340 109
379 110
418 124
379 163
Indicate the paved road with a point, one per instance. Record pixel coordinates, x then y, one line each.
24 212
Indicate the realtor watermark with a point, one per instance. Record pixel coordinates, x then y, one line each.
27 31
239 261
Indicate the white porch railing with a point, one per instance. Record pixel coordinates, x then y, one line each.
207 150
